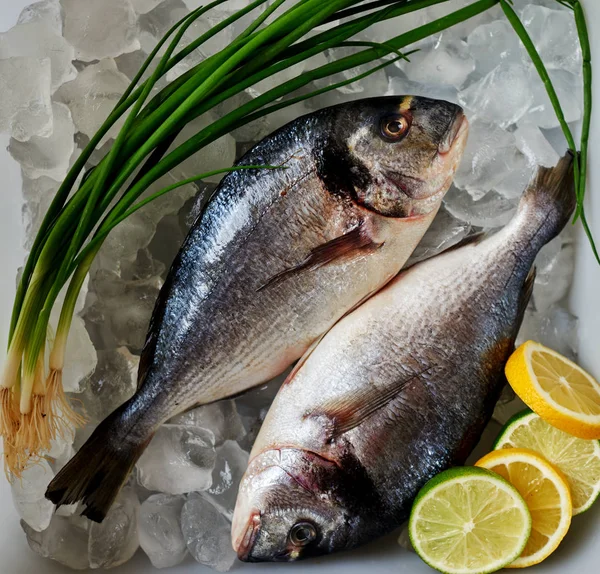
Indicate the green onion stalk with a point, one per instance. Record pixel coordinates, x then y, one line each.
33 407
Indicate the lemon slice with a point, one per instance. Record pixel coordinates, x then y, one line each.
577 459
469 520
558 390
546 493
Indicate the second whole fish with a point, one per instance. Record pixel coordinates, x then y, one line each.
276 258
396 392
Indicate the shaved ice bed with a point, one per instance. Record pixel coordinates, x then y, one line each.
68 63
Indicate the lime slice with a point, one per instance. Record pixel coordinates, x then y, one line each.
469 521
578 459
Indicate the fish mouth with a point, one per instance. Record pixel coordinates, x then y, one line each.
458 129
407 184
248 540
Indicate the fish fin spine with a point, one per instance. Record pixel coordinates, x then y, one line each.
356 241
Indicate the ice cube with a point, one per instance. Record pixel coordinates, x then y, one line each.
536 148
81 355
387 29
555 268
28 495
126 239
554 34
115 540
122 309
38 195
143 268
221 418
554 327
157 22
230 466
48 11
445 63
568 89
25 108
180 459
462 29
167 240
113 382
488 157
502 96
49 156
404 539
39 39
516 179
100 30
65 540
161 537
493 43
131 63
491 211
375 85
207 534
276 80
92 95
445 231
253 131
400 85
217 155
145 6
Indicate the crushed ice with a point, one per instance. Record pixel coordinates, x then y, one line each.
64 66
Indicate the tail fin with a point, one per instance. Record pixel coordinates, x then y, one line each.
98 471
550 200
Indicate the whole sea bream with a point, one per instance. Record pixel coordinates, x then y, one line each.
397 391
276 258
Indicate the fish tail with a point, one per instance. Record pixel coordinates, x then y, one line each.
96 474
549 200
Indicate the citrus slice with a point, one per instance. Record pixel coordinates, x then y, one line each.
576 458
546 493
557 389
469 520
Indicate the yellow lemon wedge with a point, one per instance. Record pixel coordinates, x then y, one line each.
557 389
546 493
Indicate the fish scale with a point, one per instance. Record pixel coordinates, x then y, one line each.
398 390
277 257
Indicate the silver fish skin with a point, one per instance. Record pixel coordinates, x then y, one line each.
397 391
275 259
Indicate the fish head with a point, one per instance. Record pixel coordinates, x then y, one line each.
403 151
286 509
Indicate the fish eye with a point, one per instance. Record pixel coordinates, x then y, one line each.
394 128
303 533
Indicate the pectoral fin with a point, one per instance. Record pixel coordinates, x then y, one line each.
357 240
351 410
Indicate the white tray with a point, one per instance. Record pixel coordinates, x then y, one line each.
579 553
